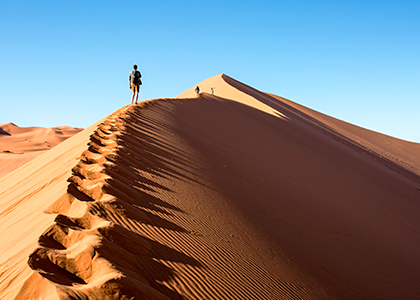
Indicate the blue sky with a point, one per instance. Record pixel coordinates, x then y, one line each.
67 62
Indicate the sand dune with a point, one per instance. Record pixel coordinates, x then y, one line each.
18 145
237 195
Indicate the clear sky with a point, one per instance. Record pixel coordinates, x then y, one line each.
67 62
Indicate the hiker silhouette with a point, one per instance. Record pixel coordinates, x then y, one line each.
134 83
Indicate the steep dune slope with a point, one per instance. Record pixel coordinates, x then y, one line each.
210 198
349 218
403 153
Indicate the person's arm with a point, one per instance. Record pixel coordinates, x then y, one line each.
129 80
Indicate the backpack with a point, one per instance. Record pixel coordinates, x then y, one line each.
135 77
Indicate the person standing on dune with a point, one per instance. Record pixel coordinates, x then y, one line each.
134 82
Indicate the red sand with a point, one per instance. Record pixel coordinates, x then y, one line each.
18 145
209 198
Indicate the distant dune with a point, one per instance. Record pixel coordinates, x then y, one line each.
18 145
236 195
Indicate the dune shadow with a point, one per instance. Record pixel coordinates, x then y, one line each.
74 191
283 108
143 161
128 160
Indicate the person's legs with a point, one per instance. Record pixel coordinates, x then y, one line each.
135 88
134 91
137 93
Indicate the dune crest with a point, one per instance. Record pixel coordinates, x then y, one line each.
400 152
85 256
248 197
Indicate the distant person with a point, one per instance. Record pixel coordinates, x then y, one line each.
197 90
134 82
212 91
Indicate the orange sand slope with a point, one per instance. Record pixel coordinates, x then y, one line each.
210 198
18 145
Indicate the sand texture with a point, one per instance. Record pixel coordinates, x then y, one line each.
236 195
19 145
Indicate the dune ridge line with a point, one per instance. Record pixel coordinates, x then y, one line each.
84 256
